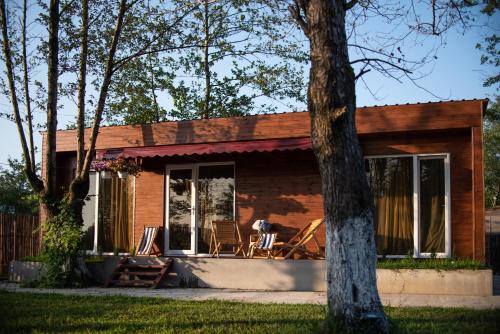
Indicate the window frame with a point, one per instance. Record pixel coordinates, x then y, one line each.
416 158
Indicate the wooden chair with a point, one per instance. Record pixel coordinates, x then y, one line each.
148 242
262 244
298 242
225 233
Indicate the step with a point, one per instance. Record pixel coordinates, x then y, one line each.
132 282
138 273
141 266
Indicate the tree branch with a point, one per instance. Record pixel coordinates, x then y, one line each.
378 60
296 10
348 5
82 90
29 114
104 87
34 180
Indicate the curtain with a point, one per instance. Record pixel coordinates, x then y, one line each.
432 210
119 214
115 210
391 181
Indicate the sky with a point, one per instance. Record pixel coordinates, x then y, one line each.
455 75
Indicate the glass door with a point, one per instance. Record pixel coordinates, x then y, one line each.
196 195
180 233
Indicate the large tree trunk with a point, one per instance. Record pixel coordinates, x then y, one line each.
350 244
52 82
206 61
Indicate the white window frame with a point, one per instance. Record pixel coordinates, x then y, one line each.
94 251
416 158
195 167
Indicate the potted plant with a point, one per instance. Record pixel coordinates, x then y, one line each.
123 167
103 167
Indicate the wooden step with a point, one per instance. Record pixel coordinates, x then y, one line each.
139 273
134 282
136 274
141 266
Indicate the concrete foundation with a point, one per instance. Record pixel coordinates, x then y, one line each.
288 275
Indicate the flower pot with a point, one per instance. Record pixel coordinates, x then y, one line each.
105 174
122 175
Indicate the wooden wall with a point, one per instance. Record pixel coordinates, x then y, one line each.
285 187
381 119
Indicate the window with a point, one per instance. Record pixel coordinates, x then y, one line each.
215 200
411 199
110 208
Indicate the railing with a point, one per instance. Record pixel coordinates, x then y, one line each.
20 236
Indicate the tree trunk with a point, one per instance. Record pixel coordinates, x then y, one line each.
206 65
52 81
350 244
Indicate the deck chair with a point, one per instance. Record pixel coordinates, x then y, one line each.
298 242
225 233
148 242
262 243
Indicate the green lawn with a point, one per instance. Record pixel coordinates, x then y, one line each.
44 313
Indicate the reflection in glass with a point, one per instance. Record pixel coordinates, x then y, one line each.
391 182
115 214
432 207
88 214
215 200
179 220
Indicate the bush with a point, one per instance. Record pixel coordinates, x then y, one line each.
432 263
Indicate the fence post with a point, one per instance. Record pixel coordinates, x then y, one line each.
14 237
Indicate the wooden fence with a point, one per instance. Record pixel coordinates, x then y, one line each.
20 236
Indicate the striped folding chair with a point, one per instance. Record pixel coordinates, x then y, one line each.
263 244
148 242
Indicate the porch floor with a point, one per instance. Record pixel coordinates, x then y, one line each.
288 297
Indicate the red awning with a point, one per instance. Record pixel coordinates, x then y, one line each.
208 148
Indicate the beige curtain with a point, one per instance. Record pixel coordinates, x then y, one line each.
432 210
392 185
119 214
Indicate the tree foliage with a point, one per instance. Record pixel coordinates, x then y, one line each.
236 57
492 155
15 190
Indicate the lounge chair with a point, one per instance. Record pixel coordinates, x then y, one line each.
148 242
262 243
298 242
225 233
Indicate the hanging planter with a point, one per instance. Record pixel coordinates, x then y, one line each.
124 168
122 175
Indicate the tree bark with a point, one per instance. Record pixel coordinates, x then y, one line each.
52 82
29 114
350 244
82 81
206 65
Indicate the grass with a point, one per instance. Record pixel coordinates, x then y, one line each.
48 313
433 263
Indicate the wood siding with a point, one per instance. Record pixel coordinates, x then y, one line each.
421 117
284 187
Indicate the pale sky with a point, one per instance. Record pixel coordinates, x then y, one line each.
456 74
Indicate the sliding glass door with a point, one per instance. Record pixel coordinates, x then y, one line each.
411 199
197 194
180 224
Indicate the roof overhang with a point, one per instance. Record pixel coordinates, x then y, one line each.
268 145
